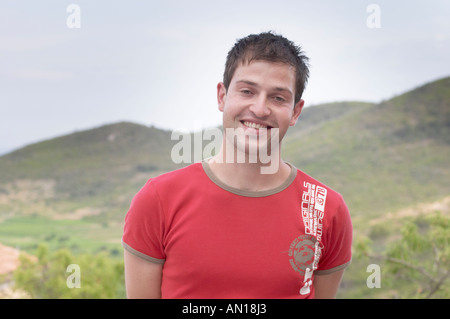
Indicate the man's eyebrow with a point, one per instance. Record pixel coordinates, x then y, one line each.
247 82
282 89
277 88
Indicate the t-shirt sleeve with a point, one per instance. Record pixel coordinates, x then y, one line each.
337 253
144 226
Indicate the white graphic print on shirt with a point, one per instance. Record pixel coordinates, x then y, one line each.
313 209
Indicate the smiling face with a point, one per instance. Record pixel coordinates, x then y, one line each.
260 98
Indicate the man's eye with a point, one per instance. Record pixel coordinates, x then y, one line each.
279 99
247 92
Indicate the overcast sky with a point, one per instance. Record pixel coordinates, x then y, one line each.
158 62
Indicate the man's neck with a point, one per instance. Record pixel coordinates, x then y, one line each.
249 176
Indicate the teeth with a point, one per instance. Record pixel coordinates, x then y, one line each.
254 125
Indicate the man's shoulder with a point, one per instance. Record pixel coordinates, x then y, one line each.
180 172
181 176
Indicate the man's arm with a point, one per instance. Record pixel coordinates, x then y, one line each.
142 278
326 286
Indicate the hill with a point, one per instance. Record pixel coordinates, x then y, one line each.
91 167
381 157
72 191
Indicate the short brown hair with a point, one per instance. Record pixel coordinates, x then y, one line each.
270 47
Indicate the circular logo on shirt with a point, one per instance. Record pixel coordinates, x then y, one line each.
302 252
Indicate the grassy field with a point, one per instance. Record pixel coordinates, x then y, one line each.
80 236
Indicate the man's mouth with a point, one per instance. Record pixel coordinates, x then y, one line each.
255 125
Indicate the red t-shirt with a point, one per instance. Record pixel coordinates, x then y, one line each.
220 242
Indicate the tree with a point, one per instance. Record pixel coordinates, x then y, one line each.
99 276
417 265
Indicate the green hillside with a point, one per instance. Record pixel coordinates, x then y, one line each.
73 191
381 157
98 168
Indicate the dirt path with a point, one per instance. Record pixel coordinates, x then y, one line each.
442 206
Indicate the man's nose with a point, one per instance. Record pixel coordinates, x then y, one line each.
260 107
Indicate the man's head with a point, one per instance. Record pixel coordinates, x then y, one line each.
260 96
270 47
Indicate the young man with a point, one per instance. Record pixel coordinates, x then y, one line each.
227 228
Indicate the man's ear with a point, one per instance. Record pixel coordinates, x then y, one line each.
297 110
221 95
